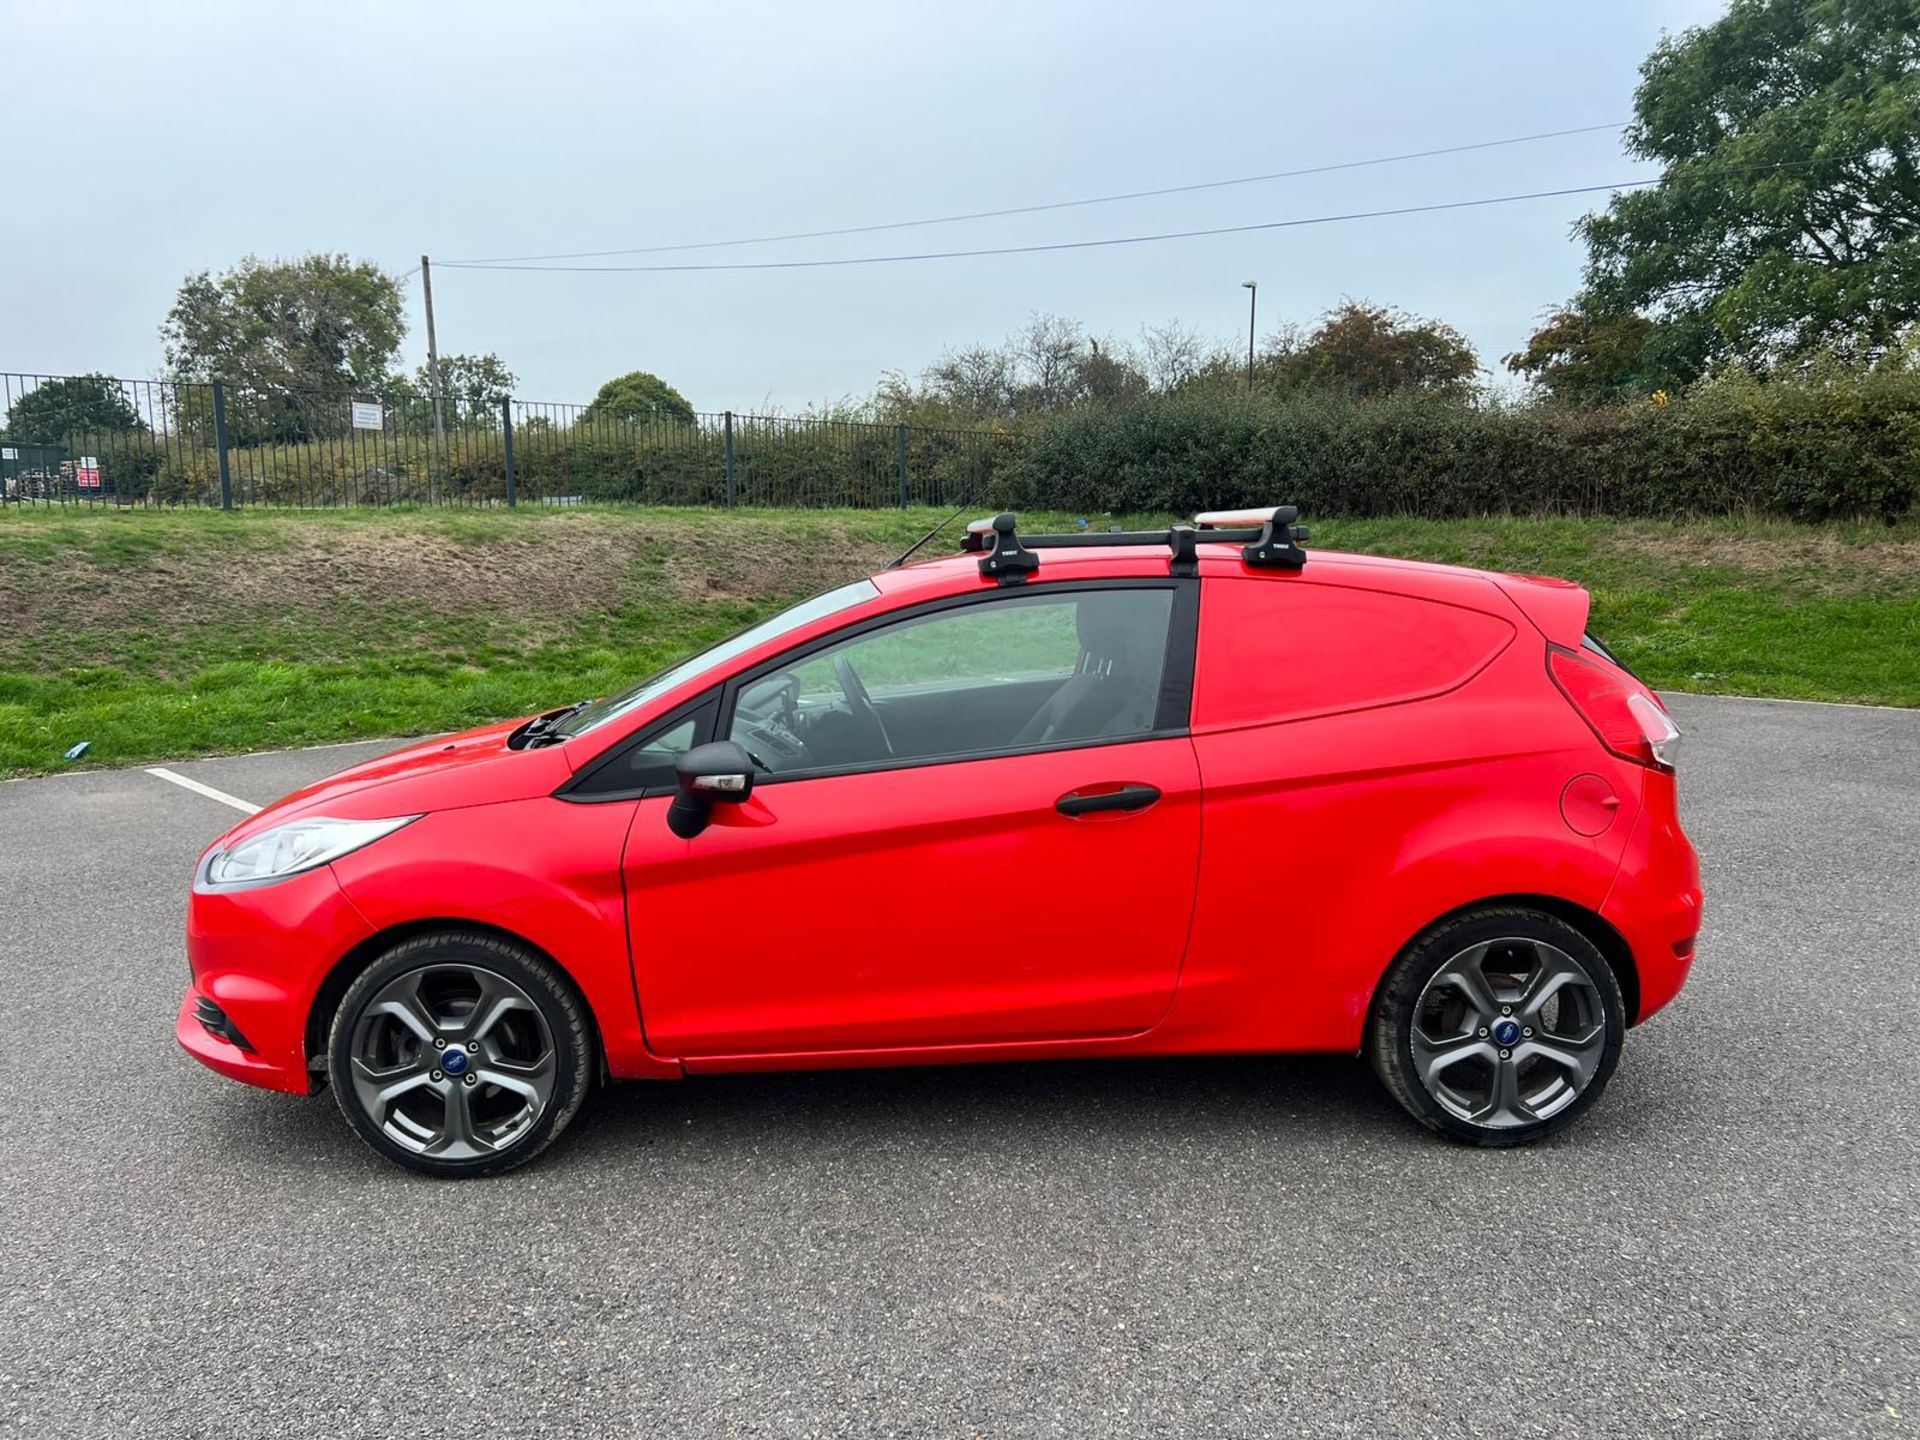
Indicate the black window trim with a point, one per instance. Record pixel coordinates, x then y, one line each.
579 789
1172 716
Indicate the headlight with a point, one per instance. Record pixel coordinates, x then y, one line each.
296 846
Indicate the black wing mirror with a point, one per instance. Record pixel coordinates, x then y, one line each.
708 774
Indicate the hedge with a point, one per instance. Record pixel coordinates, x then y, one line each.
1838 445
1842 447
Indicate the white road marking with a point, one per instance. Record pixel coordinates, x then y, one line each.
207 790
1784 700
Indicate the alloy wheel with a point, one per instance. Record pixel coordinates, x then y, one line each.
453 1062
1508 1033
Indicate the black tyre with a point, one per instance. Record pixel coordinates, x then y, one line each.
459 1053
1497 1027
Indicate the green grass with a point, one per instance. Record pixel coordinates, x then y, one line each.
162 635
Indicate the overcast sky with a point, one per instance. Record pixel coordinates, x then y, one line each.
146 141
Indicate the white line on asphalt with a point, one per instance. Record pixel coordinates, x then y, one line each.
207 790
1783 700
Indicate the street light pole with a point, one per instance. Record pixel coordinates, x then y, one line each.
1252 287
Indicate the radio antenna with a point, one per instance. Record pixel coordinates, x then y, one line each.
907 554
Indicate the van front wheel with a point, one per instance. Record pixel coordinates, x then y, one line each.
459 1053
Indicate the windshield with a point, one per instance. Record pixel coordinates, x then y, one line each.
599 712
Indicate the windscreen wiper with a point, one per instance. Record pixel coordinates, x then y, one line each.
539 730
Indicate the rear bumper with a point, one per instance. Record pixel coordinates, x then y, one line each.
1656 899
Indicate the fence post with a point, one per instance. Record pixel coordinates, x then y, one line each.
220 443
900 460
506 440
729 460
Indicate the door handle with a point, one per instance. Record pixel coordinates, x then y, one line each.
1127 797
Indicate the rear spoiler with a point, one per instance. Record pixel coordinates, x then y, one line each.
1558 608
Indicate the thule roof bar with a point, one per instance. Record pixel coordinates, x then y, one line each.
1267 536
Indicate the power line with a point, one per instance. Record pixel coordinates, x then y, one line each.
1060 245
1051 205
1135 239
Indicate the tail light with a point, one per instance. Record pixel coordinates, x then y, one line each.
1628 719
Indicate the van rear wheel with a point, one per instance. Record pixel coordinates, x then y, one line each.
1497 1027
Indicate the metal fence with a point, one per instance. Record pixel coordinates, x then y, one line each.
92 440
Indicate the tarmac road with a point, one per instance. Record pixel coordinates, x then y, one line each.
1727 1245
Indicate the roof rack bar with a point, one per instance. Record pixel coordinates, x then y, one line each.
1108 539
1095 539
1268 538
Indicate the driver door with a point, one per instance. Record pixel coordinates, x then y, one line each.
976 823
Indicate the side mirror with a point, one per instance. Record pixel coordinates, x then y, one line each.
708 774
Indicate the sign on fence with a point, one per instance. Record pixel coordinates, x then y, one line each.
7 452
86 475
367 415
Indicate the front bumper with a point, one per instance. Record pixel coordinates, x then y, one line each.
260 954
224 1057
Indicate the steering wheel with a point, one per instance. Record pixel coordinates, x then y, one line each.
859 703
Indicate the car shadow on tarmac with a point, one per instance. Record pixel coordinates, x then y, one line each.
1067 1106
1324 1105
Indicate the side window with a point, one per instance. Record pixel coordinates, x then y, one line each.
1024 670
647 763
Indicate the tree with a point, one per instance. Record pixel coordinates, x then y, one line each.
472 387
1052 365
637 398
1174 354
1110 375
1048 366
83 404
326 324
1048 355
1366 349
976 381
1577 355
1787 218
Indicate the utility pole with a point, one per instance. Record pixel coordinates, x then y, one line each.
433 352
1252 287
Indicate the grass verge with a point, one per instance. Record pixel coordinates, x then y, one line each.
163 635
